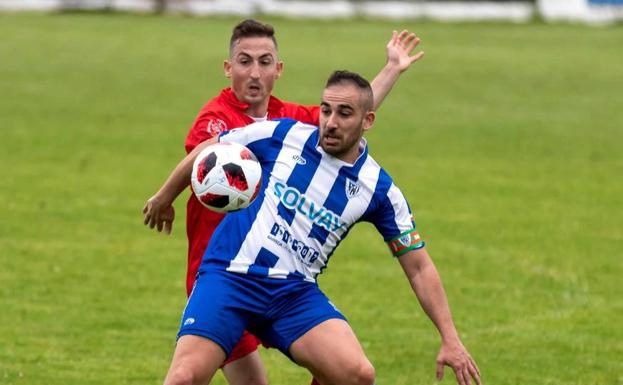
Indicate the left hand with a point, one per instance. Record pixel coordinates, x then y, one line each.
400 47
455 355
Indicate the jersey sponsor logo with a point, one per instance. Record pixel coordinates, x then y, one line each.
352 188
280 235
215 127
295 200
299 159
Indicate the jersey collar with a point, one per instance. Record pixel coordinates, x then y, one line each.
363 155
275 106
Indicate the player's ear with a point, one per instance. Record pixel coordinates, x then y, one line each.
279 69
227 68
368 120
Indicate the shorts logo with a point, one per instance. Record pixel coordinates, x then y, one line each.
215 127
352 188
299 159
189 321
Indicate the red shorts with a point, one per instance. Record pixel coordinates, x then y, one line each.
248 344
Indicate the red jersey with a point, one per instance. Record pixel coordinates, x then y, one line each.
222 113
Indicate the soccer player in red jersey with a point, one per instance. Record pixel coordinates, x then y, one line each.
253 66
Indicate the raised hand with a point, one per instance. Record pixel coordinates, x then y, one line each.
400 47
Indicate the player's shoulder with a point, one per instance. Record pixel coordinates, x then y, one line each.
293 124
375 175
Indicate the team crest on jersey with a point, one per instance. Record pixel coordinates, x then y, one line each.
215 127
352 188
405 240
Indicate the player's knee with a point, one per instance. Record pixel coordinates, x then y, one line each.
362 374
180 376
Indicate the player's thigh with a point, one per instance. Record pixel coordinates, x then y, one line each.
195 361
331 351
247 370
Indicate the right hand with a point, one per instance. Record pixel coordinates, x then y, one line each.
158 214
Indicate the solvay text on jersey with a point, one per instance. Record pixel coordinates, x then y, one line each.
294 199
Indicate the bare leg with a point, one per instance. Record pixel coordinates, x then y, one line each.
247 370
333 355
195 361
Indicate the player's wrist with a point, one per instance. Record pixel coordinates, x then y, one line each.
450 337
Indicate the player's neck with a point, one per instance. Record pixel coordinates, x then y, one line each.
258 110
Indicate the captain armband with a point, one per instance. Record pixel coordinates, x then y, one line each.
407 241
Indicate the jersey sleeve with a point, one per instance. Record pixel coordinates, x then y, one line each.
206 126
394 220
304 114
264 139
249 134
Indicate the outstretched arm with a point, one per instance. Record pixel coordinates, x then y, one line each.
428 288
158 211
399 59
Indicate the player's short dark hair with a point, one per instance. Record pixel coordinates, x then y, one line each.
251 28
343 76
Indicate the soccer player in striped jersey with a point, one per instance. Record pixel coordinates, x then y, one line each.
259 271
253 66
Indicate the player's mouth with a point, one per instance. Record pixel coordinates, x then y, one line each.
254 89
331 140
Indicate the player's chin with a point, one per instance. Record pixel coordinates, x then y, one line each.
255 97
331 148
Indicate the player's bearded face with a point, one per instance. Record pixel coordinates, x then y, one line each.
253 68
343 119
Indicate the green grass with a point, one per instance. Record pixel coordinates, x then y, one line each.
507 140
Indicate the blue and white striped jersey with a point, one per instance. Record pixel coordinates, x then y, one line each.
308 202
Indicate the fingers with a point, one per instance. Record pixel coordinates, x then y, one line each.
439 371
151 217
417 57
412 43
159 225
394 39
168 226
461 379
465 371
403 35
409 40
473 370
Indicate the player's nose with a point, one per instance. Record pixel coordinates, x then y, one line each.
332 122
255 71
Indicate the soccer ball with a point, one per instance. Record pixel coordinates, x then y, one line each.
226 177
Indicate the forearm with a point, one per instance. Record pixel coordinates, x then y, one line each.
383 83
180 177
428 288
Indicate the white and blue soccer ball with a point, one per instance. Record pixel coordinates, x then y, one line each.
226 177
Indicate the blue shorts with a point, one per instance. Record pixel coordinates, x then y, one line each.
222 305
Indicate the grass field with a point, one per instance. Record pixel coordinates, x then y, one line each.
507 140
